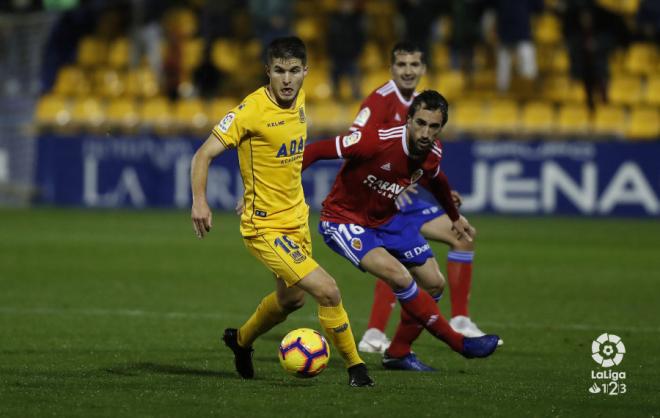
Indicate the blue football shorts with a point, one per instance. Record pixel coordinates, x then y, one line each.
353 242
418 213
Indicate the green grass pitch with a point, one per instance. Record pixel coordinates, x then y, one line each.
119 313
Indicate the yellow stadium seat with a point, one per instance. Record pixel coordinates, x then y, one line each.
252 50
328 116
218 108
92 52
122 114
225 55
625 90
109 82
428 82
317 86
503 117
467 116
609 120
71 81
87 113
560 61
372 57
141 82
191 115
563 89
544 56
644 123
484 80
374 79
652 93
538 117
641 58
192 53
181 22
156 114
440 57
451 84
307 29
352 110
52 111
119 53
547 29
573 119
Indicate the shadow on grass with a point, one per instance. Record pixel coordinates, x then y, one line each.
134 369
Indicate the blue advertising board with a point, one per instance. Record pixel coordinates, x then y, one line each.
513 177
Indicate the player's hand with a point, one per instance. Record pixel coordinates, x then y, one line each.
456 197
463 229
240 205
404 198
202 219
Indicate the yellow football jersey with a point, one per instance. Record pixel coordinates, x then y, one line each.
270 143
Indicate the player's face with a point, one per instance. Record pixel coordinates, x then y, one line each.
407 70
286 78
423 129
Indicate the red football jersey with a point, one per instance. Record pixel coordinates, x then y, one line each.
384 105
377 169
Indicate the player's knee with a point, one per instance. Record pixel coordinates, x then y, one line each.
293 303
464 245
397 278
436 289
329 295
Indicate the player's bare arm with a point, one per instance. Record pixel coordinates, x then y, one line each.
201 216
441 190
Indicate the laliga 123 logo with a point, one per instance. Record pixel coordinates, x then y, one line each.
608 350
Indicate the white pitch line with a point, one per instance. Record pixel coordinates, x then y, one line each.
139 313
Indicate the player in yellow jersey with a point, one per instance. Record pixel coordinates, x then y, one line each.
269 130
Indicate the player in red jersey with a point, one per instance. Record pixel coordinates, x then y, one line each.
360 221
389 104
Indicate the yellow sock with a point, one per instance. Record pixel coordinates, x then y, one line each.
268 314
334 321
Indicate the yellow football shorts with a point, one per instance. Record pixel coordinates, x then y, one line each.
287 253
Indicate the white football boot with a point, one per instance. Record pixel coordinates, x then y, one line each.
373 341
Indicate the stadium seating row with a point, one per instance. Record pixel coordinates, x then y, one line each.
494 117
142 82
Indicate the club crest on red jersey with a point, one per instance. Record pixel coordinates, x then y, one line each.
416 175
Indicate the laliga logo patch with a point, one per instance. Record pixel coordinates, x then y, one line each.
362 117
351 139
356 243
226 122
608 350
416 175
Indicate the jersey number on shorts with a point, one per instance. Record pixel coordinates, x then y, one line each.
348 230
286 244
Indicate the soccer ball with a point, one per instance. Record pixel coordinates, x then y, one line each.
304 352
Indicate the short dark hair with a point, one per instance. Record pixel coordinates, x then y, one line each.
406 47
430 100
286 48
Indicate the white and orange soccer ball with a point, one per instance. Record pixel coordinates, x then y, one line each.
304 352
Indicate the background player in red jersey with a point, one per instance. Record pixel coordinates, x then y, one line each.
389 104
360 221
